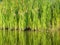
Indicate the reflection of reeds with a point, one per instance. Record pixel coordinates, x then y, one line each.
29 38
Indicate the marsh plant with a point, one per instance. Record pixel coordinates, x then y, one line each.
36 14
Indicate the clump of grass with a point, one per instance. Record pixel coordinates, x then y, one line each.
33 14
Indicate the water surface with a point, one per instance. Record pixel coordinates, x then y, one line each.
16 37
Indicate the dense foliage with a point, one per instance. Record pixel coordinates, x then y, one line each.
36 14
41 15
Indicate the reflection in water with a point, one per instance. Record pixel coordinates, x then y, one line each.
8 37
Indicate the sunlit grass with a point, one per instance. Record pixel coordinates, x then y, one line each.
35 14
16 15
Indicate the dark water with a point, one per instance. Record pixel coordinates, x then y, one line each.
16 37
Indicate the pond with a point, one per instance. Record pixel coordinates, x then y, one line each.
16 37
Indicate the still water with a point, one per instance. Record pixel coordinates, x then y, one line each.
16 37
